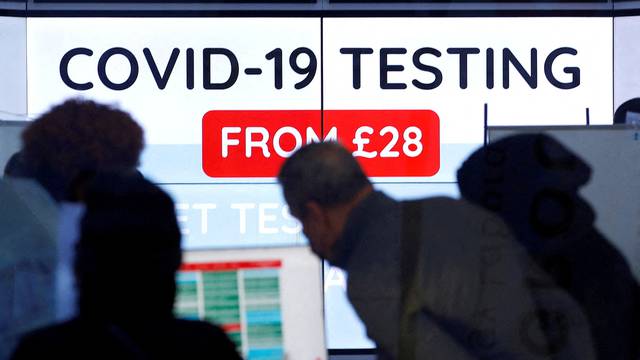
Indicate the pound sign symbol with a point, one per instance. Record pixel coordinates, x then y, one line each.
360 142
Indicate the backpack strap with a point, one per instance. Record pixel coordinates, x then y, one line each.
410 244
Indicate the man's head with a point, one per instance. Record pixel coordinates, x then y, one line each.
79 136
128 251
321 183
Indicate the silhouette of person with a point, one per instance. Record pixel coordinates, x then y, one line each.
75 137
125 266
434 278
532 182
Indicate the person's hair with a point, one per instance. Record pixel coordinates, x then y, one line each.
325 173
632 105
78 136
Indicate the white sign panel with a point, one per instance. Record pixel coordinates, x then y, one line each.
627 58
13 79
528 70
459 73
170 72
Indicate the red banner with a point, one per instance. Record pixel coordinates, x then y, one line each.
231 265
256 143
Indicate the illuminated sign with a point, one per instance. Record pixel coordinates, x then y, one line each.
256 143
189 82
224 101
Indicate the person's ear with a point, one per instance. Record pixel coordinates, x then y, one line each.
315 227
317 218
314 212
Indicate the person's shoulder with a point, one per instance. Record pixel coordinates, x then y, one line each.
55 331
446 200
198 327
447 205
451 211
455 204
205 338
44 341
437 200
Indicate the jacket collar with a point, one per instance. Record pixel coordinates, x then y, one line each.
362 217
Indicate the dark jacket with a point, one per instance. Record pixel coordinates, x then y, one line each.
533 182
473 292
171 339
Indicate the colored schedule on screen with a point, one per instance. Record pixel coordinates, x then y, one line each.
242 297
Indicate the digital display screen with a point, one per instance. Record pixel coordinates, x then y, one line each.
268 301
223 101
